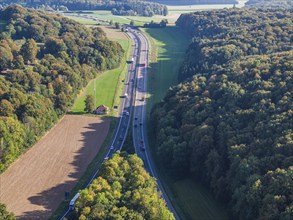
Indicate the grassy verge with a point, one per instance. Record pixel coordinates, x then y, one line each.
167 49
197 201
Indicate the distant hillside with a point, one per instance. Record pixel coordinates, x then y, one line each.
270 3
194 2
118 7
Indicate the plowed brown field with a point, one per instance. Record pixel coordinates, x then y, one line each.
35 184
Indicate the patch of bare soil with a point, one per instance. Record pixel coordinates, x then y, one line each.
35 184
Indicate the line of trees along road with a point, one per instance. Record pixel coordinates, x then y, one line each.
229 122
45 60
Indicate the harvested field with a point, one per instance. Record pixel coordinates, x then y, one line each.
114 34
35 184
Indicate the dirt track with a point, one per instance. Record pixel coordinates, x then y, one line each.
35 184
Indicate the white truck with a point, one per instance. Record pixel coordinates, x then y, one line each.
72 201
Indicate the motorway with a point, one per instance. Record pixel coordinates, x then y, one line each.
139 128
133 104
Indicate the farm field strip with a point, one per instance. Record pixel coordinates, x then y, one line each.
35 184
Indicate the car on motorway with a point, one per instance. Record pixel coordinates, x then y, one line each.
140 123
135 118
106 158
112 147
142 148
126 113
135 125
124 96
141 141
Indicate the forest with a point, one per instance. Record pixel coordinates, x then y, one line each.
118 7
229 122
123 190
285 4
45 60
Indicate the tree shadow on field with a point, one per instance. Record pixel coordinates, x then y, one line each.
50 199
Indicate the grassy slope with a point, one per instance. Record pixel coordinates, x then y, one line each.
191 200
197 202
107 86
170 45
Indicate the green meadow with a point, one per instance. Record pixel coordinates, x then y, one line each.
168 47
108 86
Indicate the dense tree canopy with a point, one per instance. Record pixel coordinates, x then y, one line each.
118 7
229 123
123 190
221 36
44 61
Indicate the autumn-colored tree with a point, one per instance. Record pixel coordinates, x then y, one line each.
29 51
123 190
89 103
